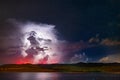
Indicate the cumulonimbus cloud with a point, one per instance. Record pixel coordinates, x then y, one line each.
46 37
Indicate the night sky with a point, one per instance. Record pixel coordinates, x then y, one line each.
94 25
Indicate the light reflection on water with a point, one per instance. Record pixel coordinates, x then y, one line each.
58 76
39 76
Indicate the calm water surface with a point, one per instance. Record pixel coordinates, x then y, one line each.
58 76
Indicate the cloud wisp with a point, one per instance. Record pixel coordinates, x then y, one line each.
113 58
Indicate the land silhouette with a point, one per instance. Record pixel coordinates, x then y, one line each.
79 67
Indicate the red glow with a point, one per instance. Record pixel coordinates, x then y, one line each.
29 61
24 61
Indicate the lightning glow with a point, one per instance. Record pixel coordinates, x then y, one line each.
44 50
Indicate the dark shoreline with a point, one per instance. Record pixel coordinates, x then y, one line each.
77 68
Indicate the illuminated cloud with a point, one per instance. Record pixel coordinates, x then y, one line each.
94 39
40 47
104 41
79 58
111 58
46 36
109 42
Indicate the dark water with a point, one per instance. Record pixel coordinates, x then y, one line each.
58 76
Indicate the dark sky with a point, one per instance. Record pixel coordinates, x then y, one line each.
74 19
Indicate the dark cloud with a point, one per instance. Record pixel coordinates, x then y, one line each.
9 35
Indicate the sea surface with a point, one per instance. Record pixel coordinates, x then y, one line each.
58 76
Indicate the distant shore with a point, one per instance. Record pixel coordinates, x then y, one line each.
80 67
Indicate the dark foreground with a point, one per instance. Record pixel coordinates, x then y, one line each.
80 67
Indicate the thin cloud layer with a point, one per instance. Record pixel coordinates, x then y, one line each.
109 42
114 58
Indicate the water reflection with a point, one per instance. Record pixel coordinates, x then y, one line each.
39 76
47 76
58 76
